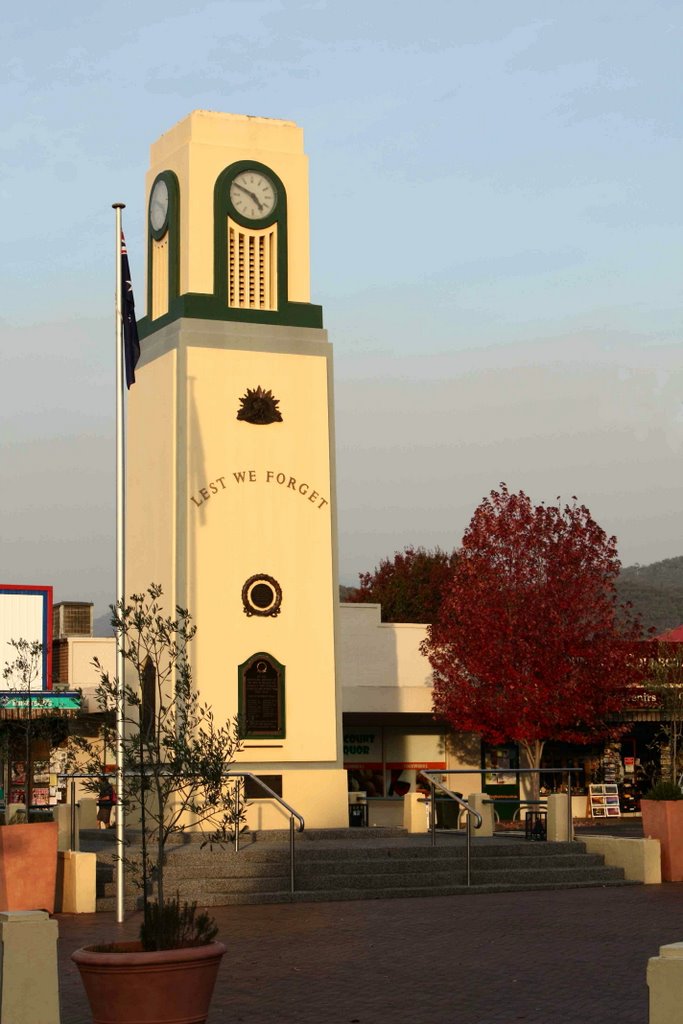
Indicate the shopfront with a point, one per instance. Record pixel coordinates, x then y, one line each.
501 782
384 759
34 729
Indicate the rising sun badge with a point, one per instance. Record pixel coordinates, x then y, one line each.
259 406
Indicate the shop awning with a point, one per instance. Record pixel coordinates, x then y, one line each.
19 704
672 636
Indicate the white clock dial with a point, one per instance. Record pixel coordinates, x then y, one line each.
253 194
158 205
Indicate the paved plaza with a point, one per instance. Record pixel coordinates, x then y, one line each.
573 956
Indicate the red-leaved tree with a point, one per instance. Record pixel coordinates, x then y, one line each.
530 643
409 586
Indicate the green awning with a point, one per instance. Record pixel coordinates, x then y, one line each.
21 703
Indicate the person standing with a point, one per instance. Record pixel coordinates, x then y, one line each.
105 803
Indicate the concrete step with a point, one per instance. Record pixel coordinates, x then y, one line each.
377 850
397 866
236 865
206 892
442 879
225 899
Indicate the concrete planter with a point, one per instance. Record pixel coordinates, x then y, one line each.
28 866
663 820
125 985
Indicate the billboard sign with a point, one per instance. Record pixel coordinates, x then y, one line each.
25 614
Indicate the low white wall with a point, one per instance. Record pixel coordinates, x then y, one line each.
640 858
386 813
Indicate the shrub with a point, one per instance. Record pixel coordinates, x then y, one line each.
664 791
172 926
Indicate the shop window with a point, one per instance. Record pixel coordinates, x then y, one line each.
366 780
384 761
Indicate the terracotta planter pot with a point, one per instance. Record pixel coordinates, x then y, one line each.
28 866
663 820
128 986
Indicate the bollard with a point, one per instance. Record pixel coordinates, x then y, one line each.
77 883
415 816
665 982
558 819
482 803
64 816
29 990
88 812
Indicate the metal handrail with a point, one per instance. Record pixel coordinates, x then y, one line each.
427 774
517 771
283 803
232 774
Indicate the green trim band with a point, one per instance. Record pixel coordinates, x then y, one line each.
202 306
173 229
223 208
197 306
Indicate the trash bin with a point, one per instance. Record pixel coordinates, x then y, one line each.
358 810
536 826
447 811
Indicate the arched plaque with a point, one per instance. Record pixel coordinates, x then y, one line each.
261 698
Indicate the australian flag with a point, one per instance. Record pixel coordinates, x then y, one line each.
131 342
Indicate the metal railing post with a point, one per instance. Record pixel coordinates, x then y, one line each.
432 812
291 854
283 803
570 816
237 816
469 849
72 817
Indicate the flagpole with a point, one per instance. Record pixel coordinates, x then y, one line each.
120 561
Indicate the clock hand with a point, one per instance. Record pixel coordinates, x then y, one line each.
252 195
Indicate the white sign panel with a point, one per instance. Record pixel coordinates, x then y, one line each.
24 615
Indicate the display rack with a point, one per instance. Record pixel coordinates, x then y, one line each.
604 800
629 797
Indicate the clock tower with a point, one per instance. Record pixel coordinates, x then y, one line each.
230 463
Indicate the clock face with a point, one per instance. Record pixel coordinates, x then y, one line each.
253 194
158 205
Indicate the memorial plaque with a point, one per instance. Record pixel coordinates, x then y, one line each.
262 697
252 790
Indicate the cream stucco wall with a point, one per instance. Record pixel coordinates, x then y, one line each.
213 501
382 672
151 470
82 651
380 665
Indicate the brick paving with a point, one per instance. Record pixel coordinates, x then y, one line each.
562 957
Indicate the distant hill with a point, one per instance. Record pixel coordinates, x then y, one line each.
655 591
102 625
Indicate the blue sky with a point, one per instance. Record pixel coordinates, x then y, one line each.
496 242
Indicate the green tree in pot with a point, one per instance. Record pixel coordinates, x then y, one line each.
22 674
175 758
